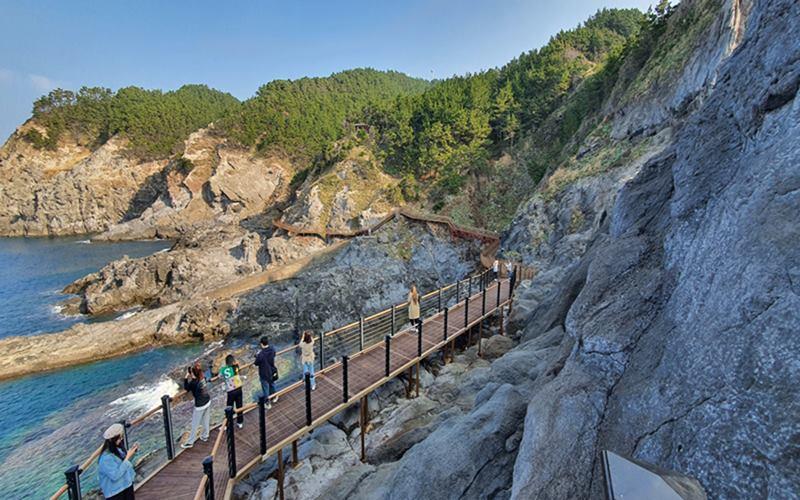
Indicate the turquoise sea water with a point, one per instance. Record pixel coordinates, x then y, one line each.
51 420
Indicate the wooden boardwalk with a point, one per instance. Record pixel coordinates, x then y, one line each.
181 477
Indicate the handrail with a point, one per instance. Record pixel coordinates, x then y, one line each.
492 247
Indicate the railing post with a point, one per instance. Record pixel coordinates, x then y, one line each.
388 348
458 290
361 333
466 311
124 423
321 350
262 424
483 303
345 391
439 308
231 441
393 311
446 310
419 339
498 292
74 482
166 412
208 470
308 399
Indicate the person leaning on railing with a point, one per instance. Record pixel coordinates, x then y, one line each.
267 371
114 468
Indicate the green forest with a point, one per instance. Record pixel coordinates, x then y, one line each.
436 136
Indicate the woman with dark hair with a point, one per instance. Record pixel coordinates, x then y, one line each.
308 356
114 468
413 305
233 386
195 382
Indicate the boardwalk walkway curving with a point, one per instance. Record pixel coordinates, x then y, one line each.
286 421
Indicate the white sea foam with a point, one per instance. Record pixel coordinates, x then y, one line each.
164 250
145 397
127 315
84 242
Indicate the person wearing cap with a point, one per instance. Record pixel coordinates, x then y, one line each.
114 468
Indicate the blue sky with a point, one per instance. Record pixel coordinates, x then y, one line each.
237 46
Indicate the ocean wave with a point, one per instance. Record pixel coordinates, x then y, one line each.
84 242
126 315
145 397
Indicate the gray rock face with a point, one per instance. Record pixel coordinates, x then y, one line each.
366 276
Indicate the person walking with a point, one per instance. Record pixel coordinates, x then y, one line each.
413 305
511 274
267 371
308 356
196 383
233 386
114 468
496 270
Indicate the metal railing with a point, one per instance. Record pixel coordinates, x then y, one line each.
329 346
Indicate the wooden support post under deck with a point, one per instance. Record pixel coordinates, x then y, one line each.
480 337
280 474
417 384
295 461
363 422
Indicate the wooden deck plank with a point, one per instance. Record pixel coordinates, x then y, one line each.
287 418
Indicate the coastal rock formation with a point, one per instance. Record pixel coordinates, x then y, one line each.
71 190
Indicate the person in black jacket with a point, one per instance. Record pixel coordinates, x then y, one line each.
267 371
196 383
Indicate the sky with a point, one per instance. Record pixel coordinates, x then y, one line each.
238 46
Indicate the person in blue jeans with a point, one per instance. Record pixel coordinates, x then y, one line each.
114 468
308 356
267 371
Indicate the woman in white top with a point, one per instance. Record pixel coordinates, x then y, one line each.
413 305
307 356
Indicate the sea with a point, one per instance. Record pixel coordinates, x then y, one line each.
53 420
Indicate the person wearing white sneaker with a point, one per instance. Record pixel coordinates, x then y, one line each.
308 357
195 382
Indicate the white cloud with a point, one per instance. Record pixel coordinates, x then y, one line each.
42 83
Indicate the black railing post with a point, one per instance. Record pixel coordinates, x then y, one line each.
388 347
483 303
393 314
308 398
262 424
439 308
231 441
446 310
361 333
419 338
166 411
321 350
124 423
466 311
74 482
208 470
498 292
345 391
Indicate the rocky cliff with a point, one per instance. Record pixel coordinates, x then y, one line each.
662 322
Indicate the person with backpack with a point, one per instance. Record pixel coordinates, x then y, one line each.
308 357
195 382
233 385
413 305
114 468
267 371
